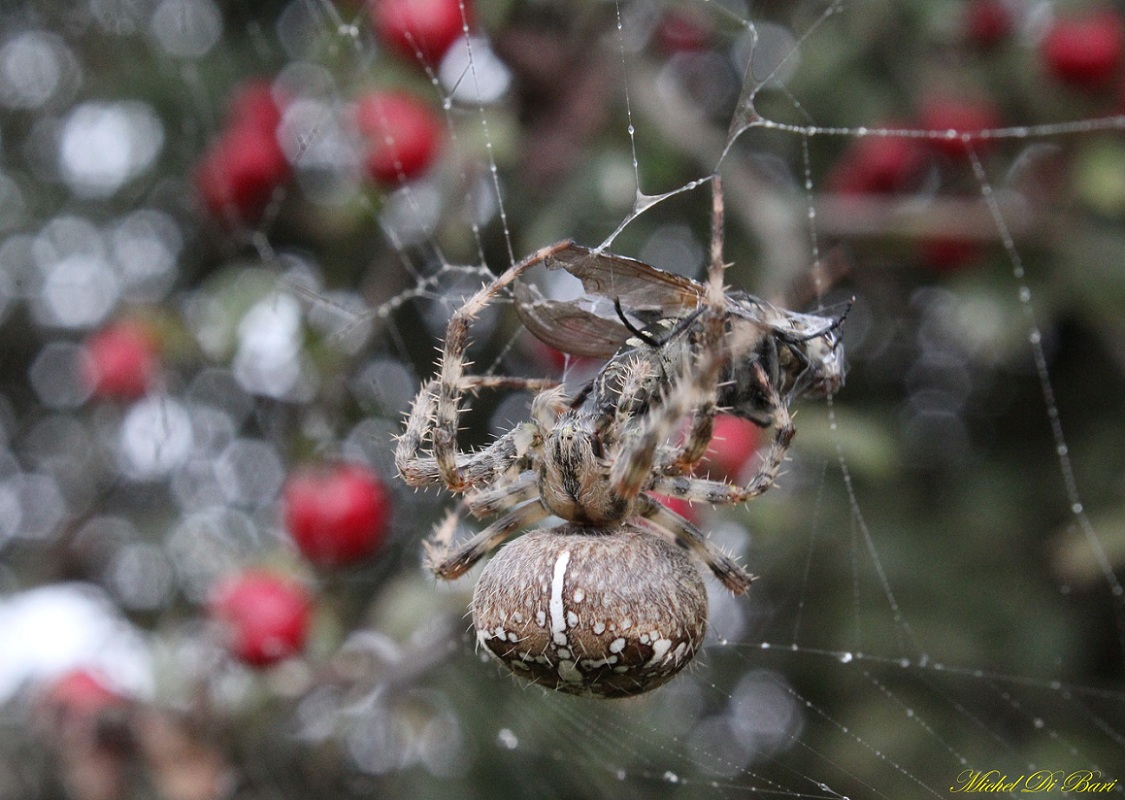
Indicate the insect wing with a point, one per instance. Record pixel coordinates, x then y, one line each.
566 326
790 326
639 287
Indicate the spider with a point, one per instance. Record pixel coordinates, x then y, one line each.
608 603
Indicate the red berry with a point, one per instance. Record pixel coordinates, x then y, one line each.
948 253
955 114
336 515
426 27
1084 51
265 617
120 361
987 22
733 445
253 105
680 30
879 165
239 173
404 135
80 693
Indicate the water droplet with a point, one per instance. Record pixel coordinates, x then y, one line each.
846 657
187 28
671 777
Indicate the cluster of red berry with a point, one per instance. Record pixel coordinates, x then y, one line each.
1080 54
401 134
336 514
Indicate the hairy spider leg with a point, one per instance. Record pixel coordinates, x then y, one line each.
421 470
665 521
703 420
545 408
487 502
449 563
723 493
693 390
447 409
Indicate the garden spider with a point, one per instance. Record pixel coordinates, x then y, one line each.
608 603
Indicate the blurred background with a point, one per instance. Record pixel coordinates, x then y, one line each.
231 234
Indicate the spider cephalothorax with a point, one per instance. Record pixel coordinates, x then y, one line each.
607 603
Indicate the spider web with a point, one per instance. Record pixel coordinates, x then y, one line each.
937 591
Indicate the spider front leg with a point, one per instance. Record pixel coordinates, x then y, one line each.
722 493
447 406
703 420
418 469
693 390
487 502
725 568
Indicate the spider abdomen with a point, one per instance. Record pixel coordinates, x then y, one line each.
610 613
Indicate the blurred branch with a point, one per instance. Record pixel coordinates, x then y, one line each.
967 218
778 217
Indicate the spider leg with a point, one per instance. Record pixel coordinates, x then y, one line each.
420 470
722 493
486 502
447 407
482 504
725 568
449 563
702 425
473 383
632 466
408 460
487 465
694 390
